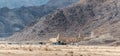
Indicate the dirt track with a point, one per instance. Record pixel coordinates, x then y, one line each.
36 50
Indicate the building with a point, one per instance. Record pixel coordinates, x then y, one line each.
65 40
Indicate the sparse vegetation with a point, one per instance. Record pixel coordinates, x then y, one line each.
25 50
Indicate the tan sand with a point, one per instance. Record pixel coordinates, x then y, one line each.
38 50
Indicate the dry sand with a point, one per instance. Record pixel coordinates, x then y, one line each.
38 50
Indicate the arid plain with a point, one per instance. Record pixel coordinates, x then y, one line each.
67 50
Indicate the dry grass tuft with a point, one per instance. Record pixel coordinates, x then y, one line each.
71 53
47 49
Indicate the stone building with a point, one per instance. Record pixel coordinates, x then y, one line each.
65 40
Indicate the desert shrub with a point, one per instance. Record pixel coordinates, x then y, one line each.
71 53
47 49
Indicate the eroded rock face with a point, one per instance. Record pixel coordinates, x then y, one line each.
101 17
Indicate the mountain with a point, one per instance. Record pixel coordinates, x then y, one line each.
14 20
97 21
19 3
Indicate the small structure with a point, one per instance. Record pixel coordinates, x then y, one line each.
55 39
64 40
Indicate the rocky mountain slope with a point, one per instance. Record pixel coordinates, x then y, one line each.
14 20
97 21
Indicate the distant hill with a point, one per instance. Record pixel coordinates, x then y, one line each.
14 20
19 3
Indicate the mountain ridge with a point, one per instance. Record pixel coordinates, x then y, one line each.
14 20
97 21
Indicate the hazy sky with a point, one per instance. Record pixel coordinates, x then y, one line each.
19 3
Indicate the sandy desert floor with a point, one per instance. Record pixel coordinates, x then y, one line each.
38 50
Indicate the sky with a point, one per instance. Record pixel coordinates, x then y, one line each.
19 3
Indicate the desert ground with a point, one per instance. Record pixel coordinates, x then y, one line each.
45 50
